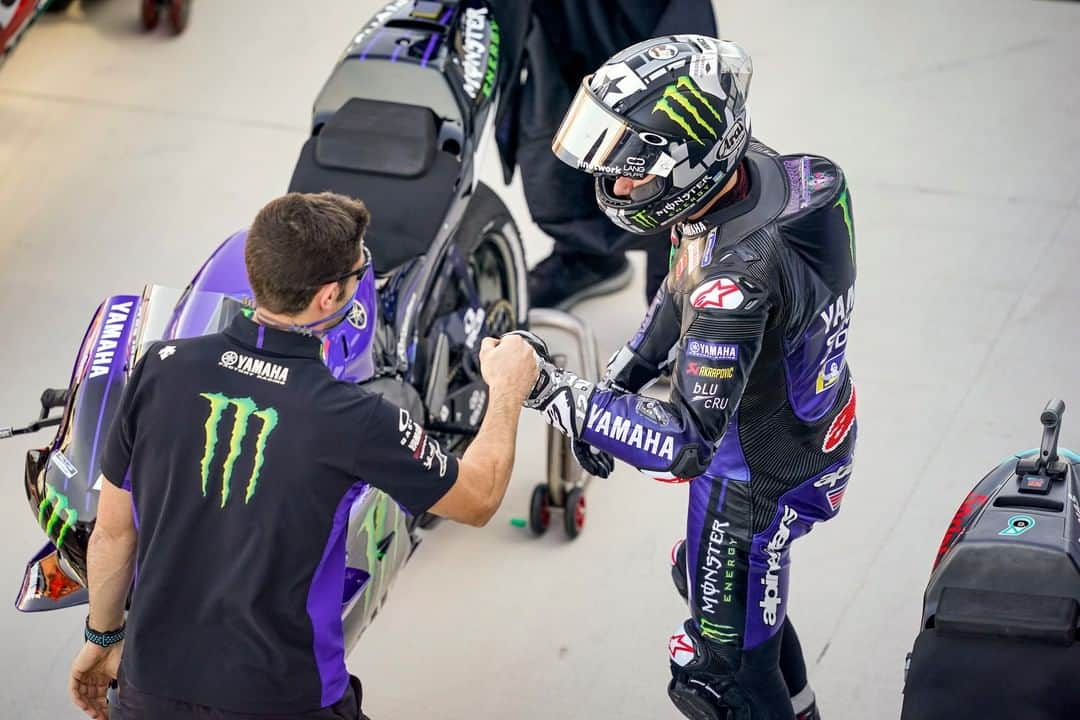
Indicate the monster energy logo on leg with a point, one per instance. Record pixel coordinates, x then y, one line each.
723 634
684 104
245 409
55 504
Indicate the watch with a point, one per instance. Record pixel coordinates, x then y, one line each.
103 639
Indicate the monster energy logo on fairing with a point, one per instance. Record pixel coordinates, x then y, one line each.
723 634
56 503
245 409
678 103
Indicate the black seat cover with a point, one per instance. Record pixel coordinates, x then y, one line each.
385 154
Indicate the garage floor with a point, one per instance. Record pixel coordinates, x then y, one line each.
127 157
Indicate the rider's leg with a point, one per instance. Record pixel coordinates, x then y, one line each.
793 668
723 665
792 664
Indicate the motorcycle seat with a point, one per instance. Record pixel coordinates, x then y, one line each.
387 155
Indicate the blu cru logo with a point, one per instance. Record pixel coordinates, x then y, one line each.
244 412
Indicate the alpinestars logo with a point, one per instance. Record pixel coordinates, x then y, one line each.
245 415
687 107
721 294
771 600
833 494
681 648
254 367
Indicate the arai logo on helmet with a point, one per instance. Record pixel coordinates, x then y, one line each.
662 52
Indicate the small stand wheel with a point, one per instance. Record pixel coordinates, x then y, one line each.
179 10
150 14
539 514
574 517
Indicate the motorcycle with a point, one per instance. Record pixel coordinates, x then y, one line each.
449 271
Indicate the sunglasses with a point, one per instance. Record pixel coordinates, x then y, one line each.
358 273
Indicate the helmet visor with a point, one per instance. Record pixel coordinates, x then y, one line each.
594 139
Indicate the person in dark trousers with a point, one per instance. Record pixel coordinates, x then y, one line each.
236 607
753 322
553 44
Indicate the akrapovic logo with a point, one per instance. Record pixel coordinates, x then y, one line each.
245 415
254 367
688 108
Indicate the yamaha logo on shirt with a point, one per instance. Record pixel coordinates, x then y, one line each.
254 367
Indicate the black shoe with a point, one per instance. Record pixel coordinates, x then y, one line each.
562 280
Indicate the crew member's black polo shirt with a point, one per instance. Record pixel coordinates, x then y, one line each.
244 455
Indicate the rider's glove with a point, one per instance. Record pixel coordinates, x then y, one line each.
563 399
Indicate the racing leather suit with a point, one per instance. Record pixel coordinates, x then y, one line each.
753 320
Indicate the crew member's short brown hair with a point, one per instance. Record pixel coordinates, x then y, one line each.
300 242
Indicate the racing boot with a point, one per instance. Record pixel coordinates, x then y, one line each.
678 569
702 683
811 713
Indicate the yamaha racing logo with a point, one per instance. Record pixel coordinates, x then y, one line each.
115 321
770 600
254 367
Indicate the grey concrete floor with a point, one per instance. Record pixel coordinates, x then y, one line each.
125 158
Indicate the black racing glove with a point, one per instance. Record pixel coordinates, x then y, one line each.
563 398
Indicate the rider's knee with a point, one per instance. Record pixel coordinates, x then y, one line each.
703 681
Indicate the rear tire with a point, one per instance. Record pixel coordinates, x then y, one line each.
488 243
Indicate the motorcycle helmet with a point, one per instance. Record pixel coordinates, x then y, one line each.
673 107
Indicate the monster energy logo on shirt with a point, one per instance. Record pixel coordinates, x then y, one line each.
684 104
55 506
244 411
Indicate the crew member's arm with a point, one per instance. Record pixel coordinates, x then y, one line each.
110 560
110 557
400 458
725 322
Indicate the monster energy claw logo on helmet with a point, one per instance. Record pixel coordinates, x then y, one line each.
669 113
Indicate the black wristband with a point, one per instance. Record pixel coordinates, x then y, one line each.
103 639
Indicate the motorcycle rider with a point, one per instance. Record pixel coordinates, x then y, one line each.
752 319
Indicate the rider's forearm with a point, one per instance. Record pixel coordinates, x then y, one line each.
110 564
492 450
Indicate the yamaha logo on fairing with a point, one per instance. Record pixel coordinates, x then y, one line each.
115 321
631 433
770 601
